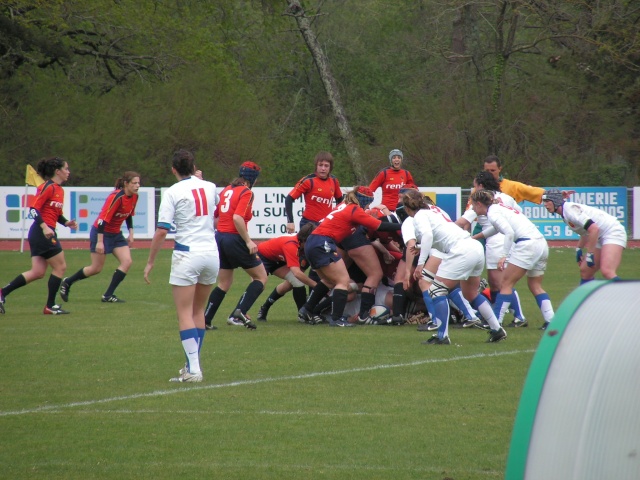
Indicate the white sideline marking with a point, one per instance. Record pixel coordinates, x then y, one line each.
227 412
161 393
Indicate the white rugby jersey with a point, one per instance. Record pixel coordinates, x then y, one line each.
493 238
513 224
576 215
189 204
434 229
471 216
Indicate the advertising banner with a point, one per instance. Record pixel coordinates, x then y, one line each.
80 203
612 200
270 217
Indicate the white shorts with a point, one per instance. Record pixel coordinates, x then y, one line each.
189 268
493 250
530 255
466 259
616 236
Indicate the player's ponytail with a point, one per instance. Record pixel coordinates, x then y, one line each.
125 178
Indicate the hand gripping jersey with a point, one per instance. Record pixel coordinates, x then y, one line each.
494 238
116 209
513 224
318 195
342 222
576 215
234 201
282 249
391 181
190 204
48 203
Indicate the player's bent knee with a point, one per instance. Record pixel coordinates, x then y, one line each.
438 289
291 278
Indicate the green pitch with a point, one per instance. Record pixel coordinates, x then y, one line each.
87 395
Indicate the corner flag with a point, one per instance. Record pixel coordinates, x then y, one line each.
32 177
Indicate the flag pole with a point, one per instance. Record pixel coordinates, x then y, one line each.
31 178
22 210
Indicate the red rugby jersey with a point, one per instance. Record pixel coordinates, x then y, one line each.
342 222
391 182
116 209
281 249
49 201
318 194
233 200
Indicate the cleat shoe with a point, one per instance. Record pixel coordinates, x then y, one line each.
496 335
55 310
366 320
434 340
1 302
186 377
517 323
65 290
341 322
317 319
474 322
246 321
235 322
210 326
262 315
184 369
483 325
544 326
427 327
483 284
398 320
304 316
111 299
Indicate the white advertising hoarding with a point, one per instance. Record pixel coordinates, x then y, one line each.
80 203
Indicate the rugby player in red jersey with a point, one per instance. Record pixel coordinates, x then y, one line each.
106 237
281 257
391 179
236 248
46 250
318 189
321 250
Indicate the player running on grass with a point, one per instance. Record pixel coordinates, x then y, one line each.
46 250
106 237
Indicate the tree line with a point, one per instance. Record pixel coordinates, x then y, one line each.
551 87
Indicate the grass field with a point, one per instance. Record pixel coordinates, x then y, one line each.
87 395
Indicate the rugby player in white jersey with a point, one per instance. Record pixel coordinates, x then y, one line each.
493 247
462 262
525 247
601 235
189 204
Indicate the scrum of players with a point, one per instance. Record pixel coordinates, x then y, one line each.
415 264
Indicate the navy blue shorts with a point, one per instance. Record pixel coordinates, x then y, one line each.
234 252
304 221
110 240
270 265
321 251
42 246
355 240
